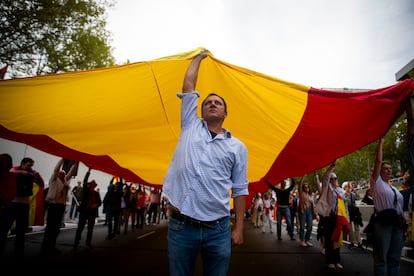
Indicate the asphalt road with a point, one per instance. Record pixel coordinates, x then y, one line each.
144 252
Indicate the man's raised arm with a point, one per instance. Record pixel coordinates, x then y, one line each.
190 77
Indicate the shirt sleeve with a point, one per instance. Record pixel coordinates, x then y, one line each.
239 174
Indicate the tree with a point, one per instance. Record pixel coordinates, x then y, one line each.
51 36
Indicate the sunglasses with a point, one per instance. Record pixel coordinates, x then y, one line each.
333 178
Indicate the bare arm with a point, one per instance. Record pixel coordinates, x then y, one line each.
190 78
377 165
239 209
317 182
327 174
56 170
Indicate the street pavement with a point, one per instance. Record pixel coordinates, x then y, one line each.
144 252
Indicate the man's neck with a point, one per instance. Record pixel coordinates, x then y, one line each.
216 128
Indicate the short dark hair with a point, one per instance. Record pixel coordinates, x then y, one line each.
214 94
8 160
27 160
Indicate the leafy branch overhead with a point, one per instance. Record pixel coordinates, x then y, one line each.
43 37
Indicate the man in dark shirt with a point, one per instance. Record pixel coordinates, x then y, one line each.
283 210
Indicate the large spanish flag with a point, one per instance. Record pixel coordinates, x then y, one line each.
125 120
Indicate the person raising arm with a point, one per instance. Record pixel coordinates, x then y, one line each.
208 162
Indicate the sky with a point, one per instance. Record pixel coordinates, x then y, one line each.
320 43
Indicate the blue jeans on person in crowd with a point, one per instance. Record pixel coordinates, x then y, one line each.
284 212
388 243
306 222
186 241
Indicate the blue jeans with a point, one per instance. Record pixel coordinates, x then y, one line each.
186 241
388 243
306 219
285 212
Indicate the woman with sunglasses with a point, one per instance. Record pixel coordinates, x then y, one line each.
335 225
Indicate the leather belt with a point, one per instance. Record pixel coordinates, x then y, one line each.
194 222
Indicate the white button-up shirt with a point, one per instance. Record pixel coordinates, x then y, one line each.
203 169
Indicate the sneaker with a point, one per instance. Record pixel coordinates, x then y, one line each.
308 243
303 244
323 251
292 239
339 266
279 238
331 266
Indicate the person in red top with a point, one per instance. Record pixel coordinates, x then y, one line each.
7 194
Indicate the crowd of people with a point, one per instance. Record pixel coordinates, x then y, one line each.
335 209
125 202
16 196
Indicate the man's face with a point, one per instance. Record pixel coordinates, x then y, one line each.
214 109
27 166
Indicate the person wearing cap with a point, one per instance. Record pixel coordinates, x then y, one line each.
88 210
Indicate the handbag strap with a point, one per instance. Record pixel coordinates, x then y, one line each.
395 196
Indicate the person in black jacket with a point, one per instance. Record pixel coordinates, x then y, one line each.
112 203
125 209
88 210
282 196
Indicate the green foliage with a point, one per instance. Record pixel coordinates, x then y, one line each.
44 36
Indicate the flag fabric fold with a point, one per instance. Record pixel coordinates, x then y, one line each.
124 120
342 227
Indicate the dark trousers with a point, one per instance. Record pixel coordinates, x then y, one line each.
6 221
140 217
331 255
113 221
153 212
21 216
87 216
55 213
133 216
